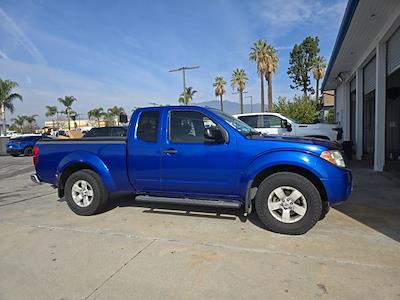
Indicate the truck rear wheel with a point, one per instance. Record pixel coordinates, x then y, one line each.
288 203
85 193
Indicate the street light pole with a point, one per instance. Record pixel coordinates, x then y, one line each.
251 102
183 69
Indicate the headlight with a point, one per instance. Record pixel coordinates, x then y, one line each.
334 157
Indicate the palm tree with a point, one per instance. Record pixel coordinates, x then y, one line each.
96 113
318 69
239 80
114 112
187 96
51 112
19 122
67 101
219 85
6 99
272 66
31 120
259 54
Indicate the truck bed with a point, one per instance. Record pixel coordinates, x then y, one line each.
99 153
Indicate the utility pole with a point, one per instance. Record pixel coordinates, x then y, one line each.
251 102
183 69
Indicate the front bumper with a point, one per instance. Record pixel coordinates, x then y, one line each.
12 151
338 189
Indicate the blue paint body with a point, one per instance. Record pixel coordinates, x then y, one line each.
16 146
197 169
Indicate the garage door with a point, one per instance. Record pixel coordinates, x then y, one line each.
393 52
370 76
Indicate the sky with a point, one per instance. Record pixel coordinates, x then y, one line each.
108 53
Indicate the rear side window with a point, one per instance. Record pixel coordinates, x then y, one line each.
118 131
147 129
98 132
250 120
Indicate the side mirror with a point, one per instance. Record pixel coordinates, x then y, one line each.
286 124
214 134
123 118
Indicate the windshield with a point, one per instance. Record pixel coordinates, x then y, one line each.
240 126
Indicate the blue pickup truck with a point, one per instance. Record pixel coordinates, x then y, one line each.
199 156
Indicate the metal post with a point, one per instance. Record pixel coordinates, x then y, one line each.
251 102
183 69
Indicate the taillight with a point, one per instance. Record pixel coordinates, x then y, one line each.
35 155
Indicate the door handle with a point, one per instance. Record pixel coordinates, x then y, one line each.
170 151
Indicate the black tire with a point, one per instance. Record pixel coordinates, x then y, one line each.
28 151
325 209
303 185
100 194
15 155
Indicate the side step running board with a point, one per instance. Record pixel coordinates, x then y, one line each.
187 201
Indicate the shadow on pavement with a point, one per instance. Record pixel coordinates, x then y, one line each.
193 211
375 200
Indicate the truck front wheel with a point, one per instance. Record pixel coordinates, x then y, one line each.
288 203
85 193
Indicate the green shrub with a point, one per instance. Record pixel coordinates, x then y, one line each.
302 109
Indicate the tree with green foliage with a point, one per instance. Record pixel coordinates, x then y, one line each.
113 113
302 109
239 80
51 112
19 122
6 99
330 118
96 113
259 54
187 96
302 58
318 69
31 120
219 89
67 101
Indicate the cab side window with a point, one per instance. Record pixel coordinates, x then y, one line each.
189 127
148 126
272 122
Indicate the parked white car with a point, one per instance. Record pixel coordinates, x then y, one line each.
277 124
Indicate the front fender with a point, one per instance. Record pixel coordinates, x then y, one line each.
302 159
92 161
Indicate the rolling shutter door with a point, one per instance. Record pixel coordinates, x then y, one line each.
393 52
370 76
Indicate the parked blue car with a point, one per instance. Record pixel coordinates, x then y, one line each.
198 156
23 144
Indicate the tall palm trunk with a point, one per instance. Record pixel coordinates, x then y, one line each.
317 92
3 114
69 122
269 80
241 102
262 93
53 125
222 102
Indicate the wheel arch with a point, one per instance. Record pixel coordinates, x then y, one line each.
294 169
81 161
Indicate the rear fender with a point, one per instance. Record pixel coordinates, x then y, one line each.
91 161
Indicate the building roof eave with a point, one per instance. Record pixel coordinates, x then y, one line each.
344 26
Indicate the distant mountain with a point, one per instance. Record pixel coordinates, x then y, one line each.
230 107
